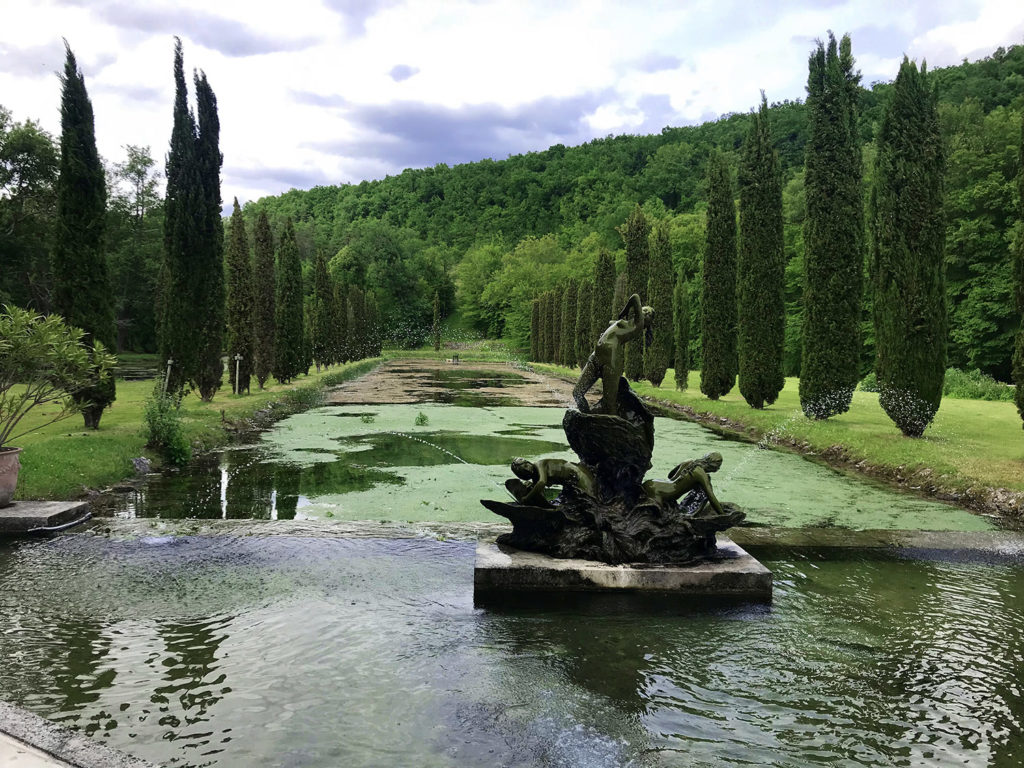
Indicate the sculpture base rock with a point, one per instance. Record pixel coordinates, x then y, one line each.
730 572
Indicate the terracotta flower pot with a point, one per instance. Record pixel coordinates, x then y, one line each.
9 466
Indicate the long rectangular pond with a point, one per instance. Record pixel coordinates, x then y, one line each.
232 615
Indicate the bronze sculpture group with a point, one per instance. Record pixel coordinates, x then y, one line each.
605 510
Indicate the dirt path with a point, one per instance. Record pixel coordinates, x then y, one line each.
468 383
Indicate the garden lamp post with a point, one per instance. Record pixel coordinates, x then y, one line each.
167 376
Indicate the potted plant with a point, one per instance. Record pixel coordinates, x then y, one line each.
42 360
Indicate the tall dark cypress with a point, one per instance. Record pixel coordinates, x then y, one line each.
567 357
357 322
547 317
681 315
718 320
264 315
658 354
341 329
535 331
436 327
1018 274
833 234
603 311
82 290
907 249
183 202
556 324
322 314
239 304
634 236
289 357
761 267
209 305
584 306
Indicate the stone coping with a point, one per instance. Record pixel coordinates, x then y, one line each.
734 573
65 748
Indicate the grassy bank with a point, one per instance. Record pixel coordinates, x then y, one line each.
972 447
63 460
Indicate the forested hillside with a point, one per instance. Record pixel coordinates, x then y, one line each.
499 233
489 237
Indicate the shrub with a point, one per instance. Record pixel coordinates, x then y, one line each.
421 419
869 383
974 385
163 429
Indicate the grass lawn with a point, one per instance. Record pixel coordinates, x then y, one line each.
971 443
62 460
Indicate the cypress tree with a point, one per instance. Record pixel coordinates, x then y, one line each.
567 357
341 326
547 317
535 327
634 236
307 336
1018 351
681 313
288 326
264 302
658 354
603 310
240 304
357 322
833 234
436 328
375 329
619 297
584 305
322 314
718 320
209 305
82 291
907 249
179 322
761 267
556 324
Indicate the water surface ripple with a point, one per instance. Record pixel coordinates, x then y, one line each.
282 650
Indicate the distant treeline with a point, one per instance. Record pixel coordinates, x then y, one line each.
491 236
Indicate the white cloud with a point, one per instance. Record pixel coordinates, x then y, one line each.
322 91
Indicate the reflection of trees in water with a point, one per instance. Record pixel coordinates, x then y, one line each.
950 667
286 483
193 680
249 485
74 659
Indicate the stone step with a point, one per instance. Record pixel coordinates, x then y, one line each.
30 516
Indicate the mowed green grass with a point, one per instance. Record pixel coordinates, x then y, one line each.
63 460
971 442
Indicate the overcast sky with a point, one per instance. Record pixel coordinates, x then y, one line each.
330 91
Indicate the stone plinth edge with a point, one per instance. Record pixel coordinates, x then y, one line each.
32 516
734 573
67 747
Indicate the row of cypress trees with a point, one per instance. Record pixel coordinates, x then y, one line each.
742 313
564 324
271 327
